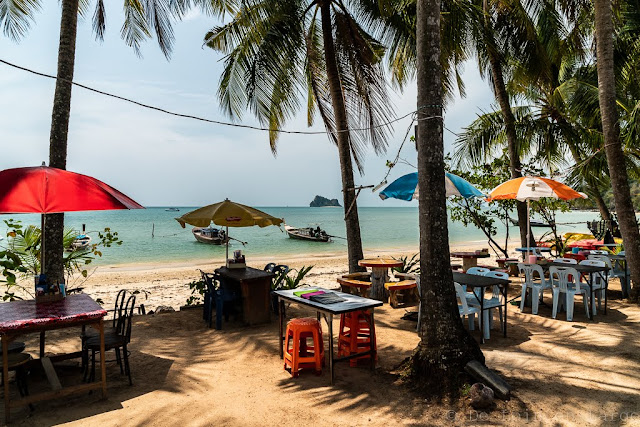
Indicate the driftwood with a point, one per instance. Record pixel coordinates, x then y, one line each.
482 373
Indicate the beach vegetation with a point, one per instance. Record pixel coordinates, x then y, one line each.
24 244
318 55
409 265
293 278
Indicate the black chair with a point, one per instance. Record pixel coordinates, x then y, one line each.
117 341
269 267
212 289
108 330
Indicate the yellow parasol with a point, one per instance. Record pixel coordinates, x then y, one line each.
228 214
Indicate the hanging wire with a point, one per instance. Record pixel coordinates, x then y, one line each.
218 122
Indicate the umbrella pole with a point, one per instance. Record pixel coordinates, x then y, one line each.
226 236
43 222
528 231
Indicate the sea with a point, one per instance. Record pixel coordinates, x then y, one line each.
152 235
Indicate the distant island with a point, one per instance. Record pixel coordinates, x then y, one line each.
323 202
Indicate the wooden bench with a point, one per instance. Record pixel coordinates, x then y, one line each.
364 276
355 287
408 290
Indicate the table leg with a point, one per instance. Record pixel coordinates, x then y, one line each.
589 282
378 279
103 362
506 287
467 263
42 339
281 324
5 375
374 346
481 319
330 327
625 294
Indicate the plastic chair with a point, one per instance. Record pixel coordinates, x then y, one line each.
537 286
212 298
613 271
269 267
564 280
357 334
464 308
489 304
597 283
117 342
598 252
478 271
280 271
566 260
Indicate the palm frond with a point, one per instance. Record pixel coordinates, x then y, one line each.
16 17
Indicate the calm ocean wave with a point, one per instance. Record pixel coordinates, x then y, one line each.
381 227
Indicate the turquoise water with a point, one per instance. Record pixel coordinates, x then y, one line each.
382 228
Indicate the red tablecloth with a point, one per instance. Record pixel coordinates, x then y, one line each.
16 315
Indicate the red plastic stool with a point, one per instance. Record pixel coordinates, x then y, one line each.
298 354
357 332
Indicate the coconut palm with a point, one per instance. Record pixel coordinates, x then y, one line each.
445 346
612 143
279 52
143 19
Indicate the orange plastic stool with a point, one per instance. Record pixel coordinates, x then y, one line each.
357 331
298 354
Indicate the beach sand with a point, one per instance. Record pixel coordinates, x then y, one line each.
563 373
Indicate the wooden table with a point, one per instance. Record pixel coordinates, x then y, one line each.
482 282
469 259
255 289
25 317
379 275
352 303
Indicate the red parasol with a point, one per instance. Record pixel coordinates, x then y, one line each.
47 190
43 189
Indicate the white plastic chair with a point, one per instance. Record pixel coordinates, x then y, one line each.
566 280
613 272
598 252
478 271
537 286
464 308
566 261
489 304
597 282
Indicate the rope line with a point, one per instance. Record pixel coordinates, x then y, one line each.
218 122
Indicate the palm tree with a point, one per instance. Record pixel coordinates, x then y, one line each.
445 346
279 52
142 19
612 144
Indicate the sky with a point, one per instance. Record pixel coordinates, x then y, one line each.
161 160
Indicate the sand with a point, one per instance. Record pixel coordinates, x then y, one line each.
563 373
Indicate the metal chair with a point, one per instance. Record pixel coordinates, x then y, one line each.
116 342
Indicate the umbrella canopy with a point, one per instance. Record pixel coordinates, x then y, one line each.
406 187
229 214
534 188
528 188
46 190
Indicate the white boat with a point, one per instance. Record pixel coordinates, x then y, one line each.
82 241
210 235
172 210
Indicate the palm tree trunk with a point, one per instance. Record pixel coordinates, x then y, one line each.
515 167
53 234
612 145
594 191
445 346
354 241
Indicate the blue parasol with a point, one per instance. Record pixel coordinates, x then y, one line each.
406 187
